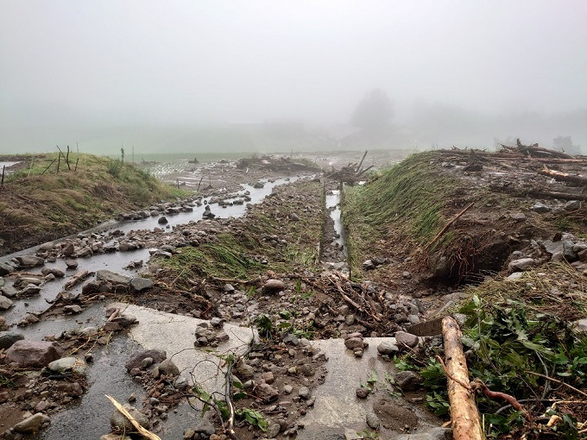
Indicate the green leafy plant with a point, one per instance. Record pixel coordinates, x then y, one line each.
253 417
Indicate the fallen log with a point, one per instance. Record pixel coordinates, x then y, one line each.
564 177
466 424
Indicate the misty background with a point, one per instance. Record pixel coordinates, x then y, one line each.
270 75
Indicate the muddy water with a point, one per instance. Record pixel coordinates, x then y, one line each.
107 375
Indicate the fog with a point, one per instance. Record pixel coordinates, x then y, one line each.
267 75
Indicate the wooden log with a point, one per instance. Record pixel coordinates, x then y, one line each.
564 177
465 419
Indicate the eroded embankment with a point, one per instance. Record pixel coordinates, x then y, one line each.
495 238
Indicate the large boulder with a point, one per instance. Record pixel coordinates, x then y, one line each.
33 353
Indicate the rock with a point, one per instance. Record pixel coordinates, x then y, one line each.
112 277
568 251
125 320
521 265
353 343
139 284
136 360
369 265
71 264
518 217
408 380
273 285
168 368
33 353
540 208
387 348
67 364
580 326
287 389
362 392
32 424
404 338
5 269
7 339
515 276
205 427
72 309
266 392
5 303
268 377
228 288
30 261
304 393
30 290
162 220
272 430
120 423
406 275
372 420
572 205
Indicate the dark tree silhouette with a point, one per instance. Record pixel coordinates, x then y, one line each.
374 112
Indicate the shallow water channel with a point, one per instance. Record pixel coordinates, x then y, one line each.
106 375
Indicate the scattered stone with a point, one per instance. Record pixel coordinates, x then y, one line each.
32 424
540 208
387 348
5 303
71 264
521 265
8 338
518 217
372 420
139 284
33 353
5 269
408 380
304 393
112 277
72 309
287 389
168 368
404 338
68 364
273 285
362 392
205 427
135 361
120 423
26 261
266 392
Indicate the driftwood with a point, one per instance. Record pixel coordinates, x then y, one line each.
443 230
79 276
564 177
466 424
535 150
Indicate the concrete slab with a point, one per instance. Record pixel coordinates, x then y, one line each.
176 335
337 409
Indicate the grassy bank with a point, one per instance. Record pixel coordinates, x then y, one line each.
406 204
47 197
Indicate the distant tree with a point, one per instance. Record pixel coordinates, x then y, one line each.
374 111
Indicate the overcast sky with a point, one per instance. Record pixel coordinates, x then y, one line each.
165 62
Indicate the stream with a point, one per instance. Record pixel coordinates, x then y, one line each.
106 375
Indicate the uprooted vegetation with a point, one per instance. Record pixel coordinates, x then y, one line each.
469 217
40 202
